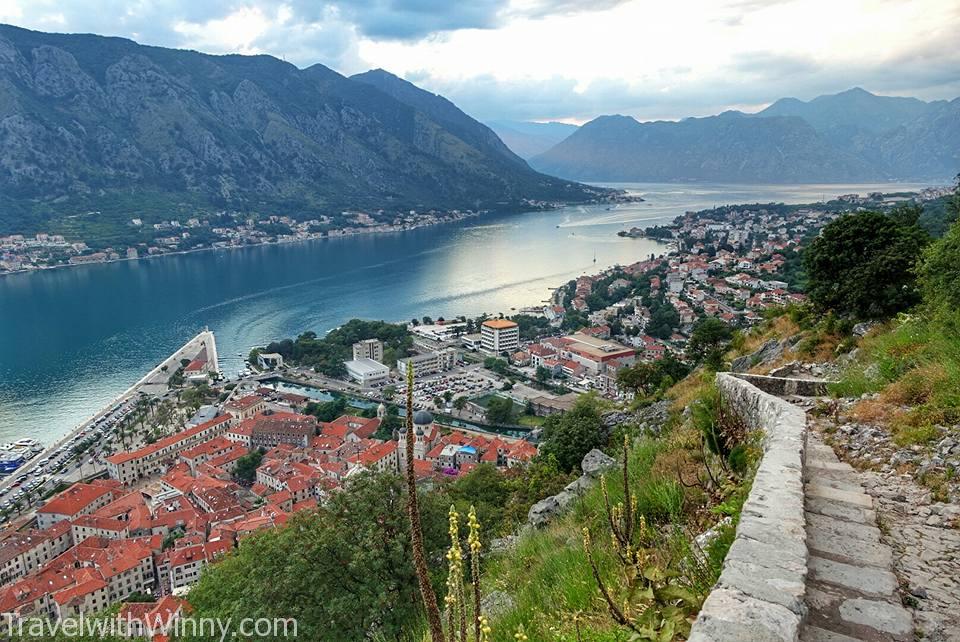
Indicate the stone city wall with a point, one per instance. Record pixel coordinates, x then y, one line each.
760 594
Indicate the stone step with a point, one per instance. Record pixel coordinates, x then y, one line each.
815 489
816 634
840 612
843 548
819 451
823 464
840 510
852 530
846 482
868 581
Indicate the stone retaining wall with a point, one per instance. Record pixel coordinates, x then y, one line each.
786 385
760 594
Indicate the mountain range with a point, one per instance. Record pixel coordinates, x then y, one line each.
528 139
92 122
851 136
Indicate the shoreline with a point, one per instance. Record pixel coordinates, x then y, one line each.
124 396
148 257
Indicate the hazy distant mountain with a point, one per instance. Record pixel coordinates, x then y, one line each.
726 148
88 122
851 136
528 139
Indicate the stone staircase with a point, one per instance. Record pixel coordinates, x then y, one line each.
851 592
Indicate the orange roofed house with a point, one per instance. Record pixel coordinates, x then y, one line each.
128 467
79 499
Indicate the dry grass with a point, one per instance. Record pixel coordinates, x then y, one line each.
872 411
780 328
917 386
685 392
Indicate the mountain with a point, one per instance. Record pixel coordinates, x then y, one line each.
528 139
850 136
845 116
731 147
90 122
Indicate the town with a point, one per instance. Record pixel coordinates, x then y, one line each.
231 457
223 230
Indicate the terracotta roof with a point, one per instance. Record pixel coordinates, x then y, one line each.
75 499
244 402
121 458
499 324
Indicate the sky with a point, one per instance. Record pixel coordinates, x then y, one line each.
564 60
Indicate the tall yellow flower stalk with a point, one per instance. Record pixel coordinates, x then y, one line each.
473 540
456 607
416 527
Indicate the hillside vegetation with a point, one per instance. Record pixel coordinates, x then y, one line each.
105 125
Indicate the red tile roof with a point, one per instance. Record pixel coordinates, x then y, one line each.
123 457
74 499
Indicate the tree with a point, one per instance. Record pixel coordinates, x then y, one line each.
499 410
543 375
940 272
327 411
709 341
862 265
342 571
246 469
460 403
571 435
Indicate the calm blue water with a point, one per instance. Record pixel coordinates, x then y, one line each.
72 339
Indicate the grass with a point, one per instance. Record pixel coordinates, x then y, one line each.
914 365
533 421
547 574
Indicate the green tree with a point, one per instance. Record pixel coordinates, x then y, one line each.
862 265
460 403
327 411
246 470
499 410
543 375
342 571
709 341
571 435
940 272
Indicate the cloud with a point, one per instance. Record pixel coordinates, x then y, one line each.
563 59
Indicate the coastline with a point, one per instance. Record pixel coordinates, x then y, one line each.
204 335
247 246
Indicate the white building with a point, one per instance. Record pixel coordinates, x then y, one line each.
499 335
367 372
429 362
368 349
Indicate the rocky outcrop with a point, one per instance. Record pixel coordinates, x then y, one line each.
767 353
594 464
649 420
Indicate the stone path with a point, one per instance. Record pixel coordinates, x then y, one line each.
852 593
926 552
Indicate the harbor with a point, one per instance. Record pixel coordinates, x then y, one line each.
27 466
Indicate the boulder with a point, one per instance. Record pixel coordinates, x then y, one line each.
595 463
543 511
768 352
